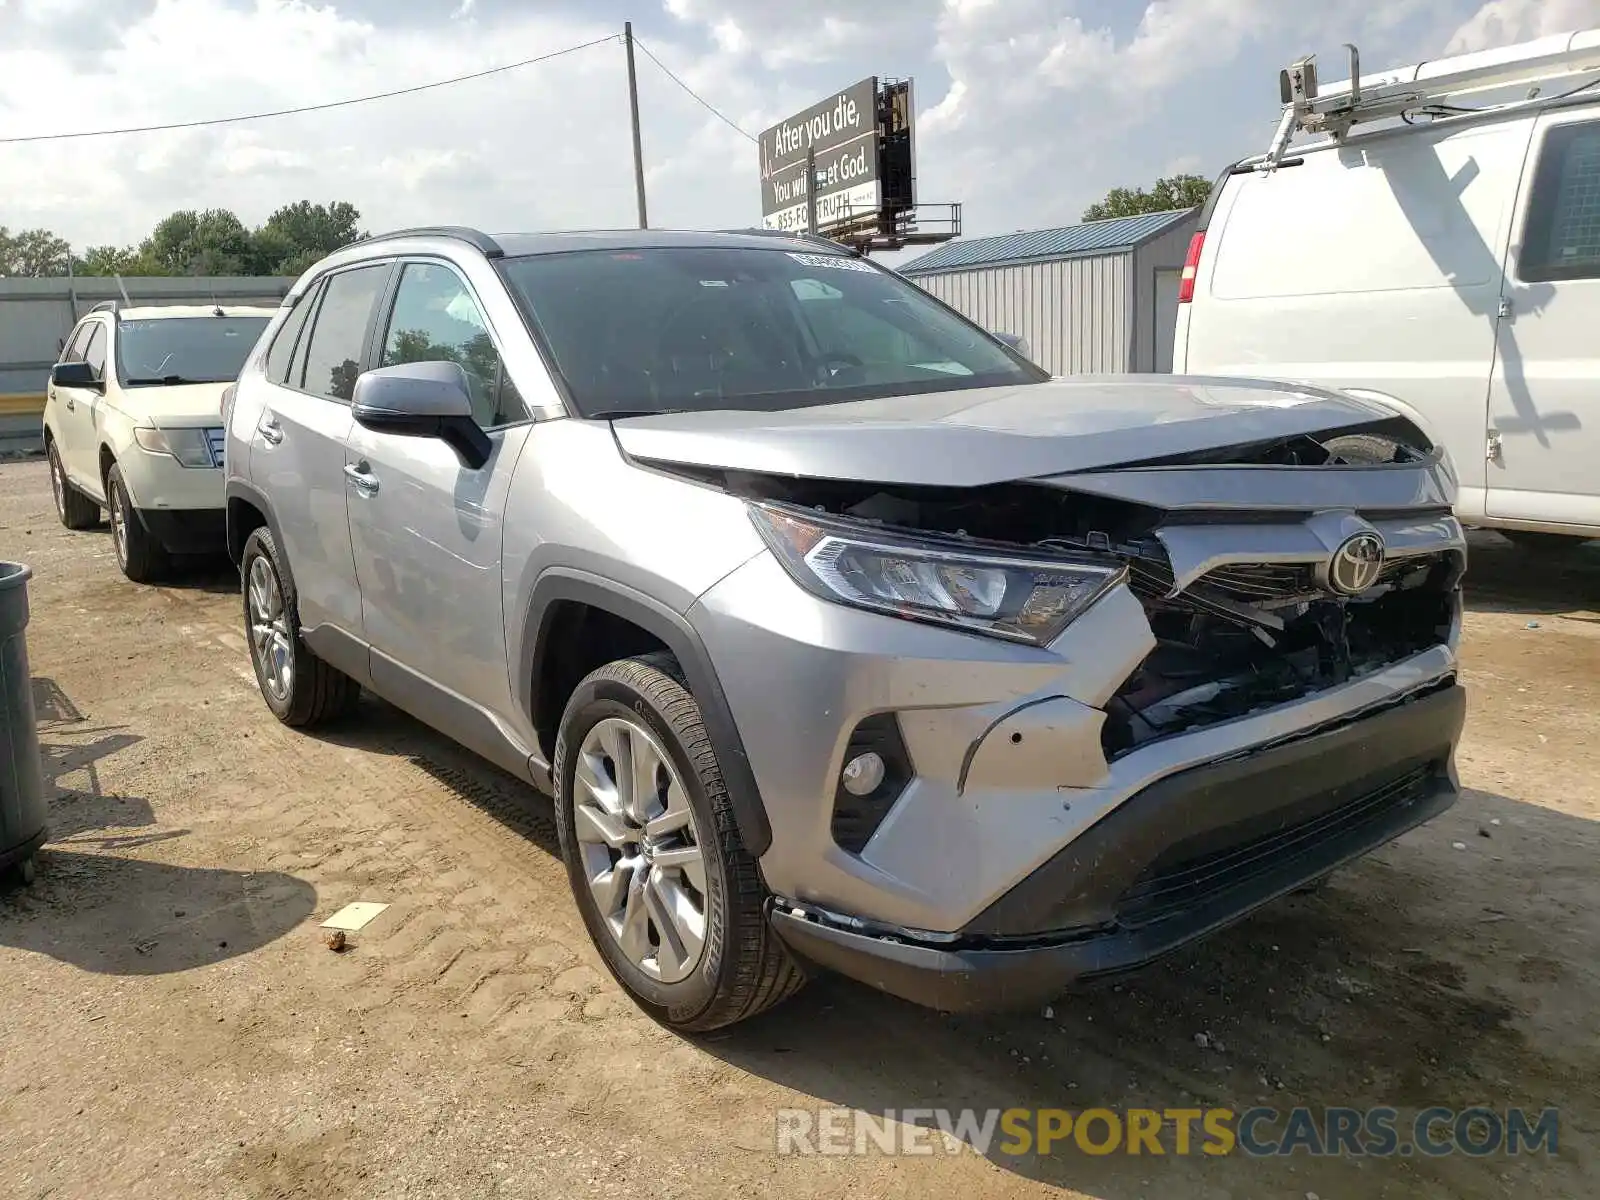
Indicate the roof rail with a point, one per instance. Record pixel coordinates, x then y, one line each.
1428 88
110 306
460 233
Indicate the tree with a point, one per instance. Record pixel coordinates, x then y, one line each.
33 252
113 260
298 234
1175 191
213 242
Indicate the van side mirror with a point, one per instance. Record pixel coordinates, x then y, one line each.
422 399
75 375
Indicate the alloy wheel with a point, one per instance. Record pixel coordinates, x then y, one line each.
58 484
269 630
641 851
119 524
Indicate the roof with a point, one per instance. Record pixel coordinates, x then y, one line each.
156 312
515 245
1092 237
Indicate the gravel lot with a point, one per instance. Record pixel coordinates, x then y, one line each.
171 1023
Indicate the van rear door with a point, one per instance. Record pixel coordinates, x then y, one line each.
1544 394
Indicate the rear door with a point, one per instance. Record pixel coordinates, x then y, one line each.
1544 395
297 453
61 403
426 528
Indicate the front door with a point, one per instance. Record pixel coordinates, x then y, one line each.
298 450
426 528
79 414
1544 394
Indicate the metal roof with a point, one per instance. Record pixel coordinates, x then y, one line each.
1094 237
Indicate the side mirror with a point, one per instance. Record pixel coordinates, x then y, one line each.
1016 341
423 399
75 375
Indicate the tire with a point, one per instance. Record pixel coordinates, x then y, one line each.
75 509
742 968
301 689
141 557
1544 544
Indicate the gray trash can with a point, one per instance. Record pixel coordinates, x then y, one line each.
22 800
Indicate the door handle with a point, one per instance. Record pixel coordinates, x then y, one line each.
271 432
364 482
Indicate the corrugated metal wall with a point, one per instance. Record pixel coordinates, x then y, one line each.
1157 307
1075 312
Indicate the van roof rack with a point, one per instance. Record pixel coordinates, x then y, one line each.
461 233
110 306
1429 88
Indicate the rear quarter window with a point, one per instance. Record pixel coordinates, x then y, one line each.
1405 212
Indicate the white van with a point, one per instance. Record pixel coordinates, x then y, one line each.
1441 257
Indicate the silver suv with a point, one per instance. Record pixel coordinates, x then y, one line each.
843 635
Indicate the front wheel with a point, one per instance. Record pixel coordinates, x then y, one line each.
141 557
666 888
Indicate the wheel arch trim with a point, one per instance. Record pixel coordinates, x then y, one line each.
673 630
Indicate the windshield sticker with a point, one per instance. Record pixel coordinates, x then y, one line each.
713 283
830 262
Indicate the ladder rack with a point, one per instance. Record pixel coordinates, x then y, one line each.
1424 87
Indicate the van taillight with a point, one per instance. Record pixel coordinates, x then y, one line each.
1191 264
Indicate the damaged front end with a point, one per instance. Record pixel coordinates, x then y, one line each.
1267 572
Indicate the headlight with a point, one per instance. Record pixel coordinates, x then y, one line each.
1019 597
189 446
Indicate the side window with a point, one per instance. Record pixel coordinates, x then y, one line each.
1562 236
73 351
95 352
333 353
283 346
435 319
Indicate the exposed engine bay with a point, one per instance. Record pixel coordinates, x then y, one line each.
1243 638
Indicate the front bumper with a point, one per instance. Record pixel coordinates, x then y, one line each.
1188 855
181 507
187 530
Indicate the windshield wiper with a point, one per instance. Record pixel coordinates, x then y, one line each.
618 414
167 381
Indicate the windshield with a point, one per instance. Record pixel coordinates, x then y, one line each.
655 330
185 349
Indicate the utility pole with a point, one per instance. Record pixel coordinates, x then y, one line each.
633 108
811 190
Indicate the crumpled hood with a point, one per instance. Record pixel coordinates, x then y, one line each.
993 435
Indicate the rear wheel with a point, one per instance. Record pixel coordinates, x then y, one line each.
299 688
670 895
141 557
75 509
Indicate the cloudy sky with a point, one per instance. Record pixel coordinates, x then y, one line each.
1028 109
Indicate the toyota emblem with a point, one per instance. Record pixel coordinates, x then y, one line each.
1356 564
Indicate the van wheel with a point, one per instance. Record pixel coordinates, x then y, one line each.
1534 542
75 509
668 892
299 688
141 557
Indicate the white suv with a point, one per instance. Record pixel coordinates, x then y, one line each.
132 424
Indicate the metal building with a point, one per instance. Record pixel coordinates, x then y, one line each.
1098 297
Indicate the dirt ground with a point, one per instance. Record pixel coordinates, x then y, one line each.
171 1023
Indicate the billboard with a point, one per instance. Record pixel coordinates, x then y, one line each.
842 133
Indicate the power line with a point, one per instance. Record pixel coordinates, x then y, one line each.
704 103
309 108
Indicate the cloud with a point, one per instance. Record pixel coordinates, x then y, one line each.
1501 22
1028 109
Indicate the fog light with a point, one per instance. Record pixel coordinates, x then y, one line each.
863 774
